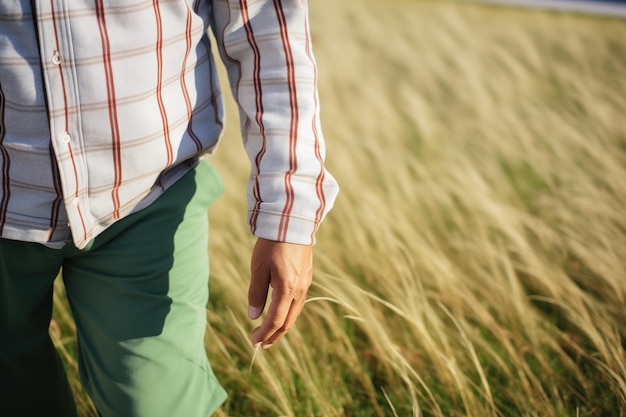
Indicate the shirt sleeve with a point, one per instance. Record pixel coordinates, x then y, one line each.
266 48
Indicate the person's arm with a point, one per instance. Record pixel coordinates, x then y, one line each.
266 48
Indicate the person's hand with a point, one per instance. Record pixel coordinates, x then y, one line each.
288 269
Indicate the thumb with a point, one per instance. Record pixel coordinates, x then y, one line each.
259 282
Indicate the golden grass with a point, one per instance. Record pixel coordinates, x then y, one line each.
475 262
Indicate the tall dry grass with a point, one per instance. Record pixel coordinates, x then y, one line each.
475 261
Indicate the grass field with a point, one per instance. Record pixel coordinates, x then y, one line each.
475 261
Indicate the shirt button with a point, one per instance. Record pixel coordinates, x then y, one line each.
65 138
56 58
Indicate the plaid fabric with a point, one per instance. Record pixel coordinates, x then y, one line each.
105 104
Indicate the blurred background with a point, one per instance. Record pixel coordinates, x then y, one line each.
611 8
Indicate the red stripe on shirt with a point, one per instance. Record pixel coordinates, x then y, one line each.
82 222
259 110
112 106
183 84
319 181
6 162
293 127
159 88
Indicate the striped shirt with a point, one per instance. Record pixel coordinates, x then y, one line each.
105 104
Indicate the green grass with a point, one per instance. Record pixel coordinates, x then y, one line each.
475 261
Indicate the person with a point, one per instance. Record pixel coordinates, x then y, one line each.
107 110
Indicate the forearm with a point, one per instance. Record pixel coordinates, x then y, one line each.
266 48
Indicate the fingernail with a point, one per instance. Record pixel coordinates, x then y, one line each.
267 346
254 312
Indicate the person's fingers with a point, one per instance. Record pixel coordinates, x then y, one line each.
259 284
294 312
277 314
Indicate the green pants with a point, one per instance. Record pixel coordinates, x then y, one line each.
138 295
